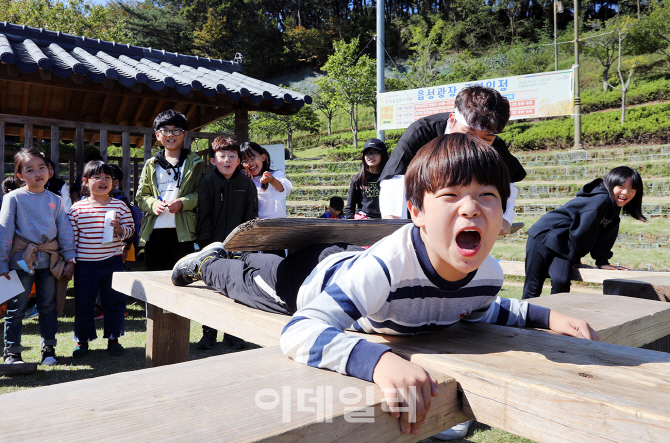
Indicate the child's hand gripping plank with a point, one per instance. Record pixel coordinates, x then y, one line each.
396 376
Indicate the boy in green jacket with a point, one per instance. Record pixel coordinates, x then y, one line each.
168 195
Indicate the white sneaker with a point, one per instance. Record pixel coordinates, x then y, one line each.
456 432
49 361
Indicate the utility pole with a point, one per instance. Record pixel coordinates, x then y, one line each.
555 45
380 62
578 106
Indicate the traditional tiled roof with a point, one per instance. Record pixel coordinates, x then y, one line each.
30 49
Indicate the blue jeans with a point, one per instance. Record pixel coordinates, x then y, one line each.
89 278
45 287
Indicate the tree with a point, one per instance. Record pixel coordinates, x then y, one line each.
323 100
622 31
603 46
652 33
270 124
352 79
76 17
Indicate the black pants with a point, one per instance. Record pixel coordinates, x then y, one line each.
163 249
542 262
266 281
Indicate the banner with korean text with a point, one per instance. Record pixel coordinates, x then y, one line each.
547 94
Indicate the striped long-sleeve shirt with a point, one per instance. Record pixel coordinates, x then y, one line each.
390 288
88 222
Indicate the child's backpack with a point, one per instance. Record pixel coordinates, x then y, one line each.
137 219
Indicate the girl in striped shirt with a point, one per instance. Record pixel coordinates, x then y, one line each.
99 255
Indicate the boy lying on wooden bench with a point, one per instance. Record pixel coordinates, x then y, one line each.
425 277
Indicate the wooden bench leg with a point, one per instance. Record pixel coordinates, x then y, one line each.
168 337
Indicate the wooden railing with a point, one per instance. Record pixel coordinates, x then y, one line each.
130 165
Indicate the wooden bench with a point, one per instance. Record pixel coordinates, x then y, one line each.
168 332
650 287
537 385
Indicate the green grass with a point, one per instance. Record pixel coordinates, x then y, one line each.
98 362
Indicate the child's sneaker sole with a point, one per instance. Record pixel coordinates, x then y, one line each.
188 269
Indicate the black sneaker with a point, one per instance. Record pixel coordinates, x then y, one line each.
188 269
208 339
48 355
11 359
234 342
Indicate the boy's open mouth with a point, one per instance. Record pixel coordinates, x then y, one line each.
468 239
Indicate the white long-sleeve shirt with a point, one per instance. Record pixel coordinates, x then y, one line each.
272 203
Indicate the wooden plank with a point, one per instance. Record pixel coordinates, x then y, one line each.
103 144
18 369
590 275
79 146
292 233
147 146
28 135
551 388
515 227
616 319
224 398
125 166
55 149
167 337
202 304
242 125
647 287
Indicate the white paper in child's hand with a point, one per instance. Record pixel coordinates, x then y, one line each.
10 288
108 230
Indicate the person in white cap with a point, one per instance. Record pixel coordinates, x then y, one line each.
478 111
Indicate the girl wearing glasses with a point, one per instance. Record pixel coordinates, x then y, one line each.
364 189
99 255
273 187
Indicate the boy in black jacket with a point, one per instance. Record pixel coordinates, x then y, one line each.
226 199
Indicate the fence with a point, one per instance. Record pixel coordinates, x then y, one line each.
96 133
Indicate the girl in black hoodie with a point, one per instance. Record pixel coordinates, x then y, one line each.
586 224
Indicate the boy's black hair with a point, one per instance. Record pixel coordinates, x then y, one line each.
118 172
224 143
50 164
171 118
9 184
455 160
484 108
246 149
618 176
336 203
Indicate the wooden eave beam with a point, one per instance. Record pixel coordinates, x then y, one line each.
140 109
84 106
103 108
122 109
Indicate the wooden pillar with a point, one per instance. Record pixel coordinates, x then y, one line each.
125 145
103 144
28 135
168 337
187 142
79 143
147 146
55 151
2 152
242 125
